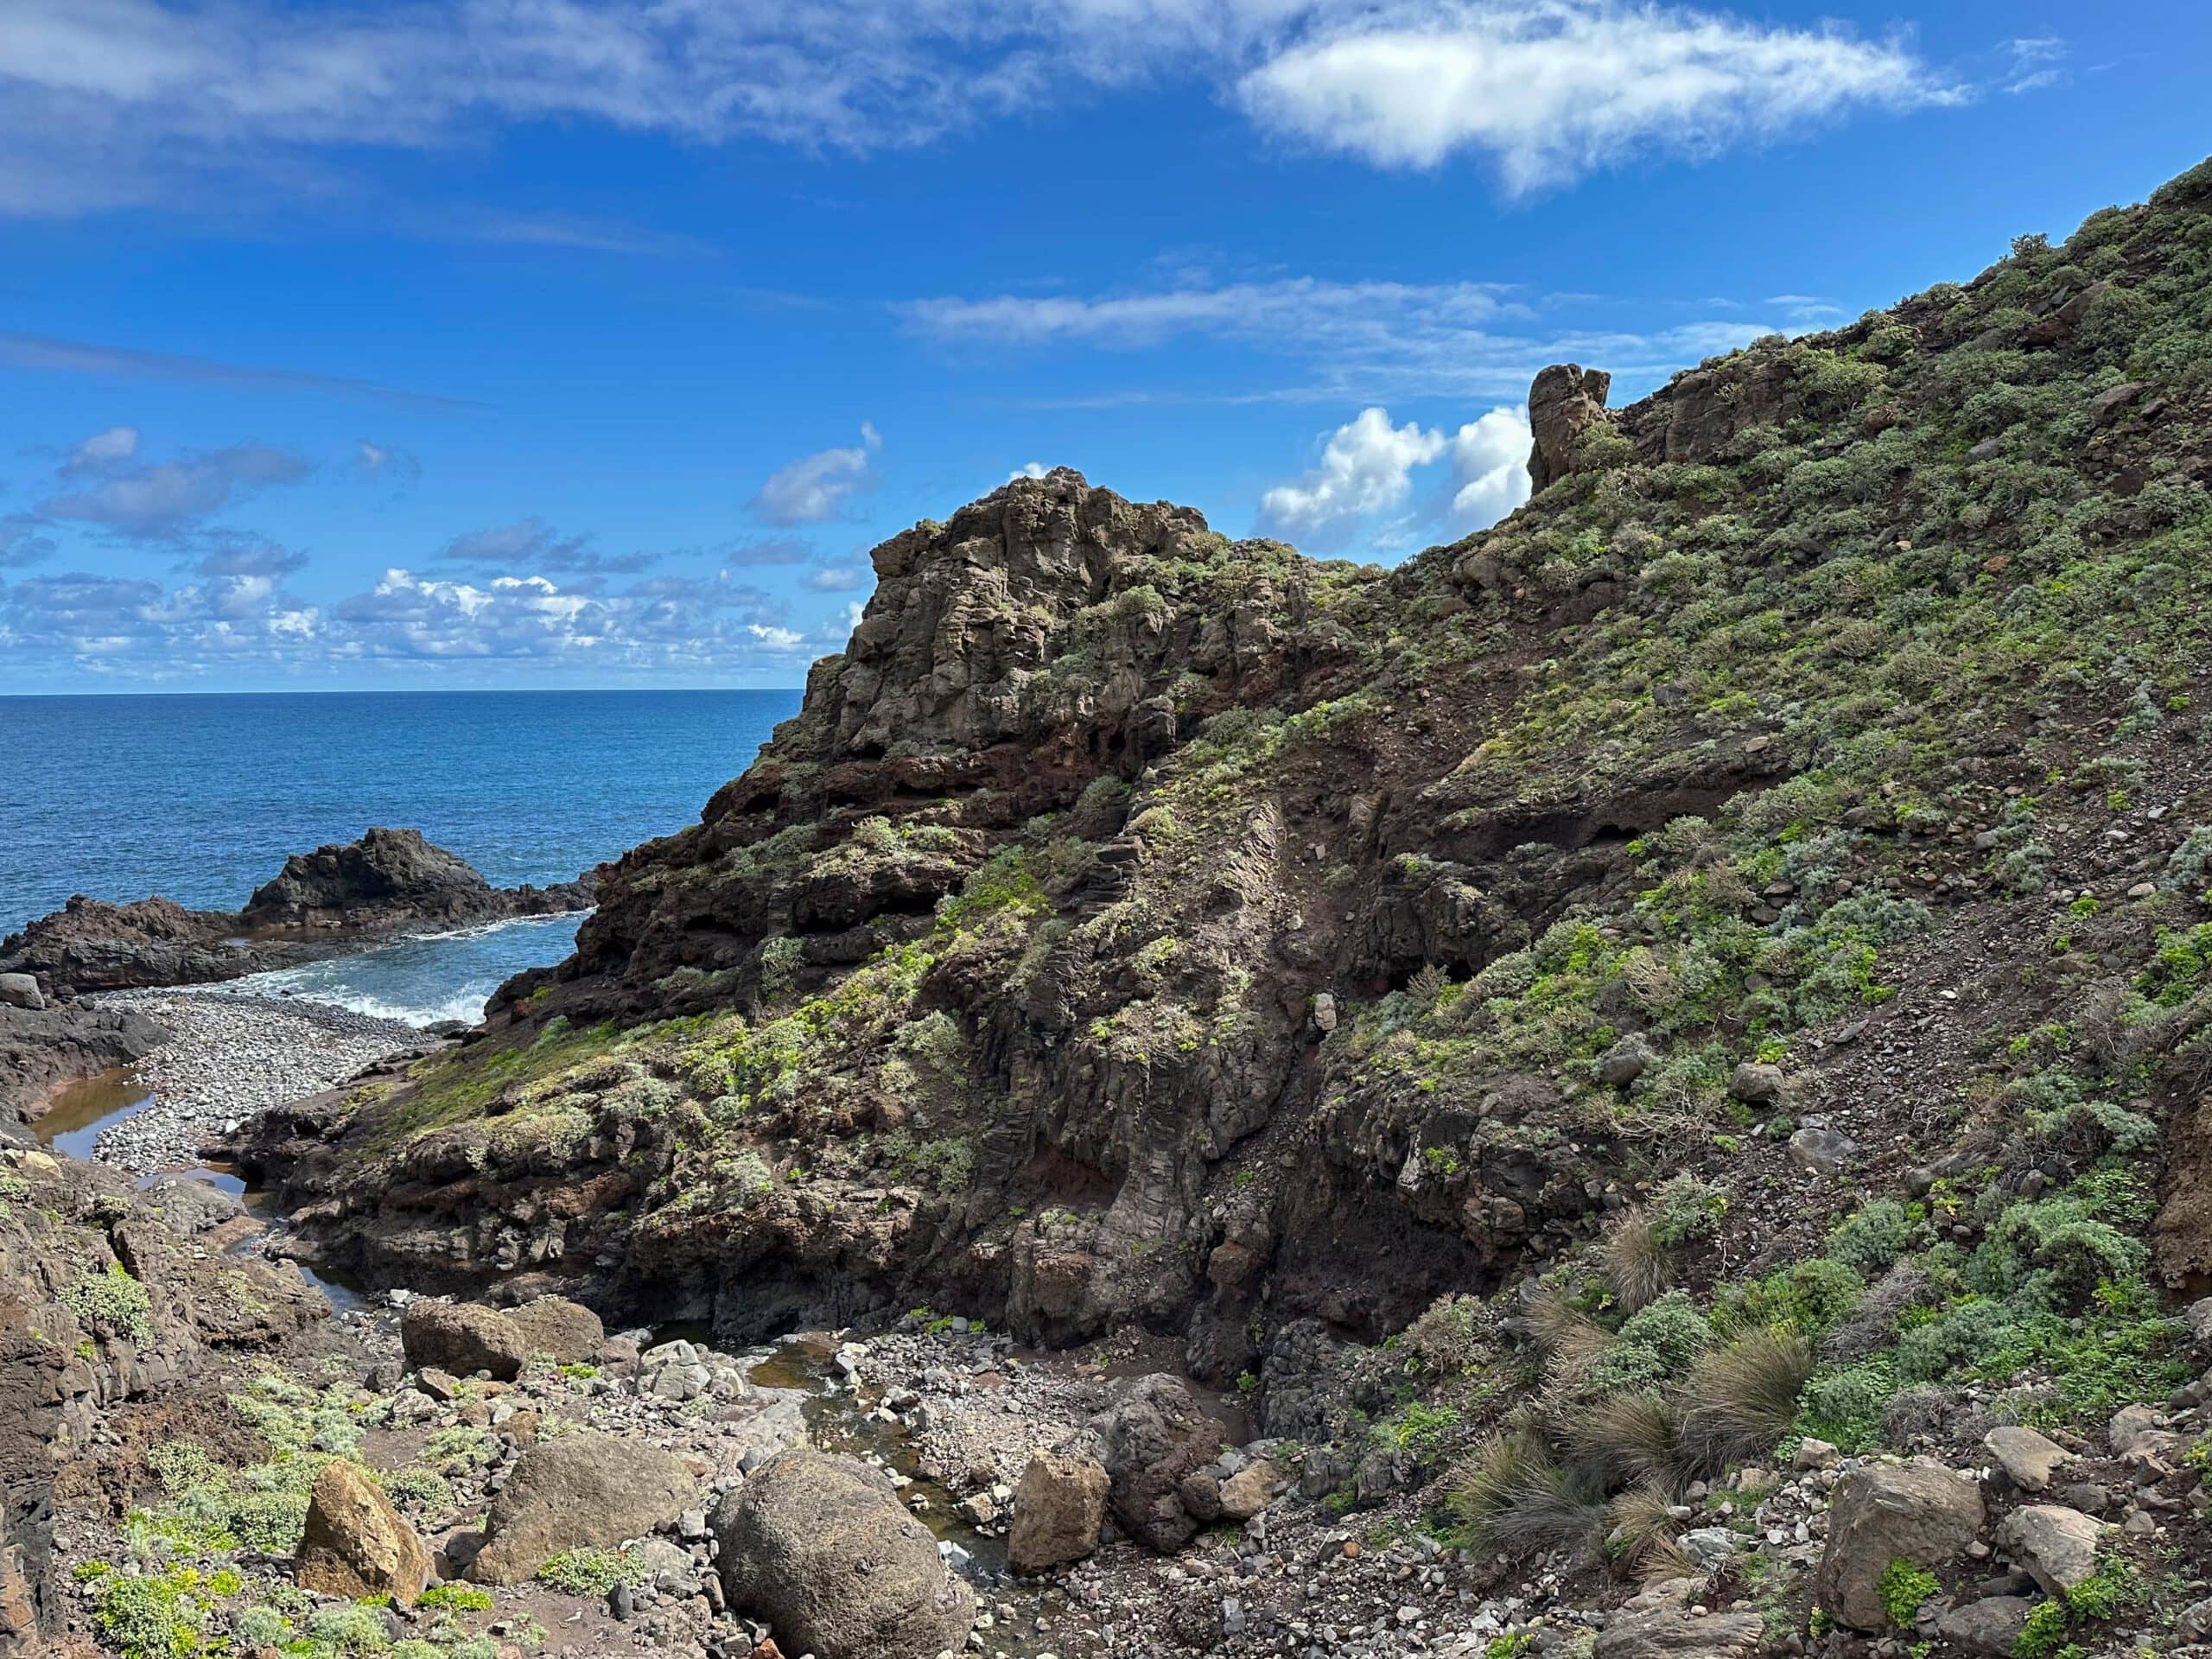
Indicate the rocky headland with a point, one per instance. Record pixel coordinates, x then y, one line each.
1632 1086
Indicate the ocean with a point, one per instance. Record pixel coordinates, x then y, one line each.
202 798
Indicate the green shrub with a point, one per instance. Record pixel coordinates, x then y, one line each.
1903 1587
112 1303
584 1571
1870 1242
459 1597
351 1628
1654 1345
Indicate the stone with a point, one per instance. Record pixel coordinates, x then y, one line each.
356 1544
462 1338
1989 1626
1886 1512
1664 1622
2029 1459
1565 401
2198 1317
1813 1453
553 1325
2130 1425
2056 1546
1706 1545
819 1547
22 991
188 1206
1757 1083
584 1489
1824 1152
1059 1507
1626 1061
2108 404
1151 1439
1250 1490
1325 1013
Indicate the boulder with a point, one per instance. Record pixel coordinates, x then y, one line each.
1150 1439
21 991
1626 1061
2056 1546
1824 1152
2130 1425
1059 1505
1659 1623
2029 1459
356 1544
1250 1490
553 1325
462 1338
188 1206
1881 1513
1756 1083
1564 402
1989 1626
579 1491
821 1547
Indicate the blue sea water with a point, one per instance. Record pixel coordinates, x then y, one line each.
202 798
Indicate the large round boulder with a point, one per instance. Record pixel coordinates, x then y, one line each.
820 1547
356 1544
1149 1440
464 1338
581 1490
567 1330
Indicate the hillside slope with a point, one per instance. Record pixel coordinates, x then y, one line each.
1758 890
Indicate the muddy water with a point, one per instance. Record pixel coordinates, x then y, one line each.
77 1111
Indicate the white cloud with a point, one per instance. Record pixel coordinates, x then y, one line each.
118 443
532 544
1028 469
108 102
157 500
1351 341
1490 468
2033 63
385 461
1366 467
1553 89
837 579
813 489
774 637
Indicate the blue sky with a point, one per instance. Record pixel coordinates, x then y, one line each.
593 342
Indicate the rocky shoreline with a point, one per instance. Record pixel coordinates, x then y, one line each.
228 1057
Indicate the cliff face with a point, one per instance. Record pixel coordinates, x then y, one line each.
1135 924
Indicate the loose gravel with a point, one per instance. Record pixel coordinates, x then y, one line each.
229 1057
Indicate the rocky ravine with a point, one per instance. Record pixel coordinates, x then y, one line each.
1661 1049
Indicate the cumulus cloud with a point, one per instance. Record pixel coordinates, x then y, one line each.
157 500
1366 471
837 579
1490 468
813 489
238 554
110 103
1552 90
1366 467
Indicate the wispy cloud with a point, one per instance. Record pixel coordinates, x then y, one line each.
123 362
531 544
109 102
1347 341
814 489
108 484
2034 62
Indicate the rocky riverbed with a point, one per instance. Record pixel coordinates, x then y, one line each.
228 1057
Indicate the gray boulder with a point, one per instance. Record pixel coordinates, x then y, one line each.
1989 1626
1149 1440
1887 1512
820 1547
1658 1624
581 1490
1824 1152
2029 1459
21 991
2056 1546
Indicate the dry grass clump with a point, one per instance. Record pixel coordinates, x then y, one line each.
1639 1266
1741 1396
1510 1492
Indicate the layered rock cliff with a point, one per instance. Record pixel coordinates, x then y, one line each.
1138 925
